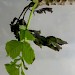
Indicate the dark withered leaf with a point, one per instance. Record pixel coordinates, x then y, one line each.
31 4
40 41
22 22
54 47
15 26
15 30
61 42
55 43
37 42
49 41
39 11
35 31
47 9
12 22
56 40
43 10
38 38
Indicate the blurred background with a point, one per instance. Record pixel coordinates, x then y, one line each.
60 23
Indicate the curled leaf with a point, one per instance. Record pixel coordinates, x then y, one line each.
49 41
55 43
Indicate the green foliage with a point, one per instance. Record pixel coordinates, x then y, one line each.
12 69
28 53
20 49
22 34
13 48
26 34
29 36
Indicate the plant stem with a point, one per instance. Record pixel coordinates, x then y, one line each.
31 13
30 16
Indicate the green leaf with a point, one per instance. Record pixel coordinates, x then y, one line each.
11 69
22 34
29 36
13 48
28 53
26 34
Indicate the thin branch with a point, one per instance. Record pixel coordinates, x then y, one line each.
23 11
26 8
